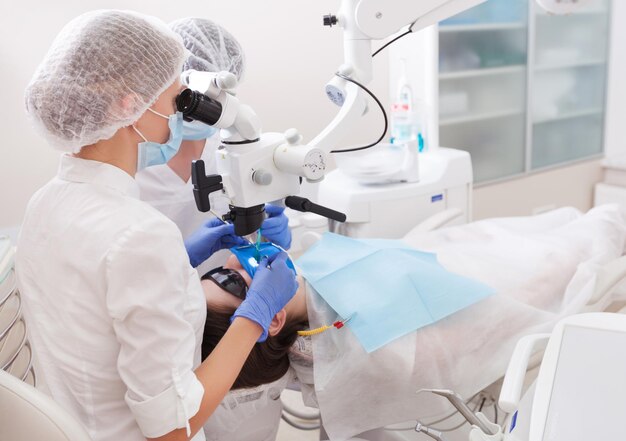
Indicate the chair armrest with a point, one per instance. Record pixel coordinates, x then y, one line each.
516 372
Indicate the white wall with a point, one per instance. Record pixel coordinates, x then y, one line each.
565 186
290 57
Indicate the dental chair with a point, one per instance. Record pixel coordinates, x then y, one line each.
578 395
15 352
29 414
580 392
26 413
607 279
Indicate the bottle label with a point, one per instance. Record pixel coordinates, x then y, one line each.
400 107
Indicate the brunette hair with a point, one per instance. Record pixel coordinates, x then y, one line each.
268 361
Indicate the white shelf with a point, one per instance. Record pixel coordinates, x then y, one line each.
479 27
569 115
475 117
483 72
569 65
490 99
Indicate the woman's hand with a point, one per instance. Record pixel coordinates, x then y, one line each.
211 237
276 227
273 285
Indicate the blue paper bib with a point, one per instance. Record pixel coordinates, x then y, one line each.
389 287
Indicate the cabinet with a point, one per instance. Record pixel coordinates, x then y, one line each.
519 89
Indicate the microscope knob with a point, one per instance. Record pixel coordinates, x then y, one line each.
226 80
262 177
292 136
330 20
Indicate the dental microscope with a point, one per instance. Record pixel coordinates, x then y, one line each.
256 167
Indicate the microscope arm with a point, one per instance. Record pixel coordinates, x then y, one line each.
378 19
346 121
363 21
366 20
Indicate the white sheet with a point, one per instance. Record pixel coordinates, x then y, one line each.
543 268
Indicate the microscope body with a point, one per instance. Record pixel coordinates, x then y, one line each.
250 174
252 167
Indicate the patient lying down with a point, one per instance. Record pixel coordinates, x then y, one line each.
268 361
542 268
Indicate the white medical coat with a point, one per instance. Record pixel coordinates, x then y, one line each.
162 188
114 310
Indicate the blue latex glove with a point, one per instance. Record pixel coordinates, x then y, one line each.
276 227
273 285
211 237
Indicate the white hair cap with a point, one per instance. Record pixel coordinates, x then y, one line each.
102 72
213 48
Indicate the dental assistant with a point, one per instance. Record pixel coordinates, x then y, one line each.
115 310
168 187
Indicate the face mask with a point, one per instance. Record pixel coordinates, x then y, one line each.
195 130
152 153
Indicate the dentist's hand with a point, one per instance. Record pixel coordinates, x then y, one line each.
273 285
211 237
276 227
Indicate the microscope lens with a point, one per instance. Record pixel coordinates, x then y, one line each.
197 106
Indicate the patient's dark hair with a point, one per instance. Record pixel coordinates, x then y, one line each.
267 362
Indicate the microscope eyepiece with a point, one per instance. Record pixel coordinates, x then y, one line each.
196 106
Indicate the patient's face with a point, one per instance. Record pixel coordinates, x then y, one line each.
220 299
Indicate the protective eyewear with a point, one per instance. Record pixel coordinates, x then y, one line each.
229 280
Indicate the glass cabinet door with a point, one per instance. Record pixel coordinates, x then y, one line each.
568 84
482 86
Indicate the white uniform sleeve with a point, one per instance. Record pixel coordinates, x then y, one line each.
147 277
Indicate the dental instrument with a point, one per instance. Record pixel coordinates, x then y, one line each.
337 325
258 244
434 434
457 401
